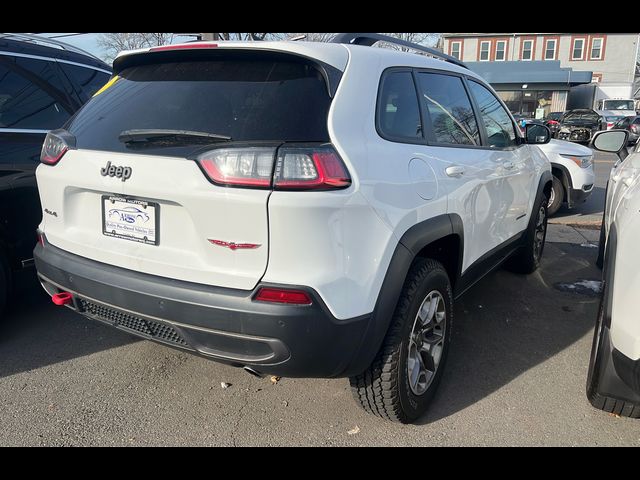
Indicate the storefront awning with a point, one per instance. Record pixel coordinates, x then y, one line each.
548 71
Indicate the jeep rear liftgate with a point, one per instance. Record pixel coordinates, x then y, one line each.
168 169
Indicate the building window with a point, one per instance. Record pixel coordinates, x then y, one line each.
596 78
456 50
577 51
550 49
596 48
501 47
527 50
484 51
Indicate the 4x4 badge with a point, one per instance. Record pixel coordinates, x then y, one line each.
113 171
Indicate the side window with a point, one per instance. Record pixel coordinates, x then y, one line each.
398 111
446 102
31 95
497 123
86 81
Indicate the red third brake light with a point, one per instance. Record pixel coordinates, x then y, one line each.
282 295
185 46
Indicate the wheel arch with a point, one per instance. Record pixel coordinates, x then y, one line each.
440 238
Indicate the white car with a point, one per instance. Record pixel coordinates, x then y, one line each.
613 382
573 176
313 208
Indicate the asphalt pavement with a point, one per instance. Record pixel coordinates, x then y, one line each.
515 376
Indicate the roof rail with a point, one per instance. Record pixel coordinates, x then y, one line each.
46 41
369 39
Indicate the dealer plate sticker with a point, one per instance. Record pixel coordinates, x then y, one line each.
130 219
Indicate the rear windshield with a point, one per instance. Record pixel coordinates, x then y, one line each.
247 100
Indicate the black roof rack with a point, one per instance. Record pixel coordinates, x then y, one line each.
369 39
46 41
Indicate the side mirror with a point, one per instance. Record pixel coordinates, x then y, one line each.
537 134
611 141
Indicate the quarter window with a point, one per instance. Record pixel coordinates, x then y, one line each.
497 122
31 95
448 107
484 51
501 47
398 111
87 80
550 49
527 49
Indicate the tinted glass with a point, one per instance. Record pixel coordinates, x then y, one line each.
86 80
398 111
31 95
449 108
247 100
497 123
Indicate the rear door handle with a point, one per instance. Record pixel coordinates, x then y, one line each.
454 171
508 165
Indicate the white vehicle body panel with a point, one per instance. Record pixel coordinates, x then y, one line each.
192 210
623 210
339 243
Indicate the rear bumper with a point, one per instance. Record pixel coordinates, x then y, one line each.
218 323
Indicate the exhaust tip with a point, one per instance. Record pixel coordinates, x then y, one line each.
253 372
62 298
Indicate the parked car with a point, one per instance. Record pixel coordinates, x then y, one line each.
631 125
573 175
613 382
552 121
42 84
314 208
611 120
579 125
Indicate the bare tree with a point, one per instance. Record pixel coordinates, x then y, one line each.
248 36
113 43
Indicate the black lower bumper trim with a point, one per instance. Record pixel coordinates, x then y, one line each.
219 323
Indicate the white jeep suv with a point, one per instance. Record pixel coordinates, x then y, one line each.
613 382
293 208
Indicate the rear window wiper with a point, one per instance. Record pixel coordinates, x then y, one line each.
169 137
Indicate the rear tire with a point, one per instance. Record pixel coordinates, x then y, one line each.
403 378
556 197
527 258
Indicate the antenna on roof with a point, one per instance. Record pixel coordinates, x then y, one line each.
298 37
369 39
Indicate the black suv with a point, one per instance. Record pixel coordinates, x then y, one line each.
42 84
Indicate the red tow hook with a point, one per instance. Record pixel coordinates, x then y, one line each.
62 298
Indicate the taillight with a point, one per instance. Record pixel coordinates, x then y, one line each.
296 167
609 125
309 168
552 122
635 128
283 295
246 167
53 148
184 46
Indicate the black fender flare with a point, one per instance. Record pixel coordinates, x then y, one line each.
411 243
